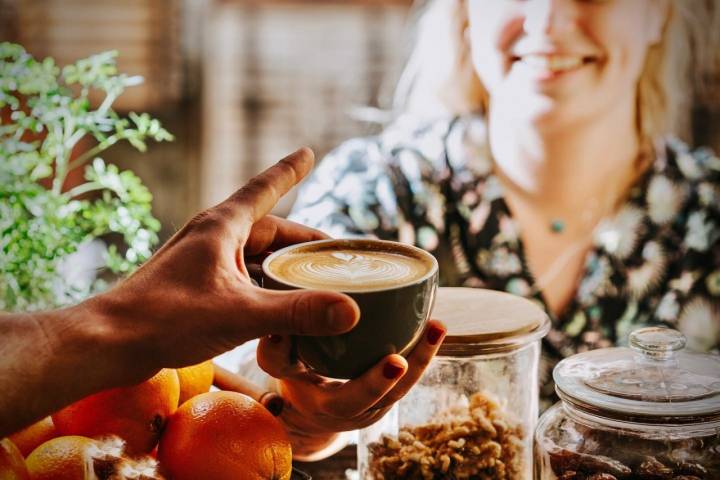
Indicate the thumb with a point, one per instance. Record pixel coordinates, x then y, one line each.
297 312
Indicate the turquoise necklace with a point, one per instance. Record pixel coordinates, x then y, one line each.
557 225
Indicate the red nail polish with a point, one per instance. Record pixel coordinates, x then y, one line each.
434 334
275 405
275 338
393 371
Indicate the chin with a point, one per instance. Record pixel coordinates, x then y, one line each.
549 114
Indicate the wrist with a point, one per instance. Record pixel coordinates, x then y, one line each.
317 447
110 333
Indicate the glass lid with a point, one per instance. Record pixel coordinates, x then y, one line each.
654 378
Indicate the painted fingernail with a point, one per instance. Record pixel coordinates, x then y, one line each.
340 316
391 370
435 333
275 339
273 402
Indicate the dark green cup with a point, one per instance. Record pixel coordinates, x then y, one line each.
392 317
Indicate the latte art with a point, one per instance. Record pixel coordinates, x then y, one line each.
348 270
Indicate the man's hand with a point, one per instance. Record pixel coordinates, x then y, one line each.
194 298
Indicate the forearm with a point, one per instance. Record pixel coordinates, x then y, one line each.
50 359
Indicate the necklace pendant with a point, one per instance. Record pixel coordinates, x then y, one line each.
557 226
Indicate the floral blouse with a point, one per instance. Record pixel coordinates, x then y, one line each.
656 262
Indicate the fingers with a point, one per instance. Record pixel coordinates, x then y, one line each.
274 357
262 192
227 380
272 233
298 312
418 361
357 395
339 400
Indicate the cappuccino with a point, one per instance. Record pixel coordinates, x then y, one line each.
393 285
345 268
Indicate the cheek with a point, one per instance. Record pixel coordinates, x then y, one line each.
491 29
626 39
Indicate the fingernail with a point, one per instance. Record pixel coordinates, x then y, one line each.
435 333
391 370
275 338
340 316
273 403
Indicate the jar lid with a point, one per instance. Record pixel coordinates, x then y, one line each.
484 321
655 379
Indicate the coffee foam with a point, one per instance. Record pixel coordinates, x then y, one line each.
349 269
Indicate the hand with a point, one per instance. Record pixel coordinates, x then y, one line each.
316 408
194 298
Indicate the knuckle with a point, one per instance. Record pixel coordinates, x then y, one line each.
258 186
289 168
269 365
300 313
392 398
210 220
335 407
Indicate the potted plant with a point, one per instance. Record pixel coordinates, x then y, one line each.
45 219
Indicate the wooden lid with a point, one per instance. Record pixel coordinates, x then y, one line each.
480 317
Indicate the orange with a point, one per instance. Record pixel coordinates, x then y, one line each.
195 379
145 468
137 414
76 458
225 435
62 458
28 439
12 463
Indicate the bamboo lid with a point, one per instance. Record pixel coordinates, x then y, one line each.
480 320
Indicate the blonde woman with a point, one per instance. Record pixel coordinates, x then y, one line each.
536 153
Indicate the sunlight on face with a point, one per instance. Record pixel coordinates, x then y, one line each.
559 62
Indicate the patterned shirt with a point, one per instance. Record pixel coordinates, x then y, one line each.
656 262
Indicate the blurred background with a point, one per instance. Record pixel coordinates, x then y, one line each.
240 83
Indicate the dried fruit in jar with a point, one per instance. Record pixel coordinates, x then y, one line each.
653 469
562 460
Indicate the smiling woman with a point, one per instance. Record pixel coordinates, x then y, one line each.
536 151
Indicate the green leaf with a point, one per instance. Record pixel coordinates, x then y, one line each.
41 227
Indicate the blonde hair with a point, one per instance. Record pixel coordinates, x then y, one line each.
440 78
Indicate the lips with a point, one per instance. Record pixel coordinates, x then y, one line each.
554 63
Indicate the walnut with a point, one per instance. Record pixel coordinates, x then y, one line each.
475 442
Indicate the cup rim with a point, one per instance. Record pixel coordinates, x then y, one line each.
432 271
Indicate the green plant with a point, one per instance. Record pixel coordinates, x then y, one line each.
42 220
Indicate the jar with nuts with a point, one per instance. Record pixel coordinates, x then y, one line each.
473 412
651 411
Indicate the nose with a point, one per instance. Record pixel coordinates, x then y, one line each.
548 17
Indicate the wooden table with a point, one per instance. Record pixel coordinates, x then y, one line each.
332 468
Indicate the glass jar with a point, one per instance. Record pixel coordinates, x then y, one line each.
473 412
651 411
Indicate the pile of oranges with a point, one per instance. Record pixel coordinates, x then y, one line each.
169 427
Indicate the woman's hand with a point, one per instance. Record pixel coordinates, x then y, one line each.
316 408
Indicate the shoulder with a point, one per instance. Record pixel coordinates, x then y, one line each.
424 138
698 167
684 186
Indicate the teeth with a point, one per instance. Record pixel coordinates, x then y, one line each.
553 63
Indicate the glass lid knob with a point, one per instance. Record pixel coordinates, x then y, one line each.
657 343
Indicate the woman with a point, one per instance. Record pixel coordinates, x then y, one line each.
547 168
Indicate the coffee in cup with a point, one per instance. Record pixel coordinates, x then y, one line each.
393 284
